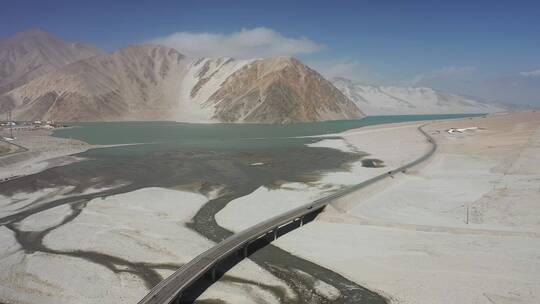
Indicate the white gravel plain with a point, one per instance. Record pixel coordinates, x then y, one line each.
143 226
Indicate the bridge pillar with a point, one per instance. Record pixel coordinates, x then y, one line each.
213 273
178 299
275 233
245 250
301 221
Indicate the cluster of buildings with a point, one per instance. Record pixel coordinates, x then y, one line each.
29 125
9 126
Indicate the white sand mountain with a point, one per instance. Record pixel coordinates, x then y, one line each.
149 82
33 53
380 100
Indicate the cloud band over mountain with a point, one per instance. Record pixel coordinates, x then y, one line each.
246 43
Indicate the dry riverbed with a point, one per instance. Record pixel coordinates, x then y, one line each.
116 244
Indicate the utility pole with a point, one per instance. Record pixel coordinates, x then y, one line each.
10 122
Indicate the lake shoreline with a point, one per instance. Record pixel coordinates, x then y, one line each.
42 151
102 173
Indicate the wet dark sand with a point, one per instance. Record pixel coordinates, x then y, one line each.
229 170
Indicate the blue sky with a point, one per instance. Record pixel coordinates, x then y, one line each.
489 49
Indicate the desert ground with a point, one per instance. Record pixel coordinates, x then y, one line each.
410 239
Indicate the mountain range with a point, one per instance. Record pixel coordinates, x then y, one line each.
390 100
33 53
43 77
152 82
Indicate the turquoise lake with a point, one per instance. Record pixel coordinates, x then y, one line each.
165 134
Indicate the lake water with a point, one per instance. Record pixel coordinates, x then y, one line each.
164 134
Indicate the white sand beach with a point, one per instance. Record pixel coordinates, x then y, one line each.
44 151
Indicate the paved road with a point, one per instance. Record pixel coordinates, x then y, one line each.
170 288
21 148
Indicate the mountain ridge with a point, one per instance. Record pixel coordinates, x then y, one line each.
33 53
390 100
154 82
48 78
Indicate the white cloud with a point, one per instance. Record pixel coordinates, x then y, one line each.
456 70
350 69
535 73
444 72
247 43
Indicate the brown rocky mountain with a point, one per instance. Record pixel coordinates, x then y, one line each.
135 83
33 53
280 90
149 82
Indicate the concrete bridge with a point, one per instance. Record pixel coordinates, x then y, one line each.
189 281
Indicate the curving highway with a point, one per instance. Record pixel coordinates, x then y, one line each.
172 288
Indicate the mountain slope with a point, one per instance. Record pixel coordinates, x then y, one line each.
137 82
280 90
33 53
155 82
374 100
